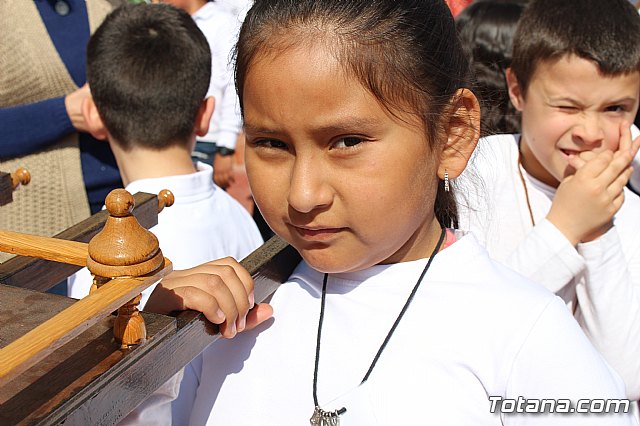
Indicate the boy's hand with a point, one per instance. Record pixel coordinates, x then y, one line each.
223 170
222 290
585 203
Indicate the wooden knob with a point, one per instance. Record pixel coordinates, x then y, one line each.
123 247
165 199
20 177
119 203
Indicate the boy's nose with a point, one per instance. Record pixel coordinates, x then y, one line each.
308 188
589 131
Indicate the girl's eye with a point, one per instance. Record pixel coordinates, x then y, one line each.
269 143
347 142
568 108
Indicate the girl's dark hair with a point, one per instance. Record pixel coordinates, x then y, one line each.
405 52
486 30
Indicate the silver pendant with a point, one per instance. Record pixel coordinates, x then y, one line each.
325 418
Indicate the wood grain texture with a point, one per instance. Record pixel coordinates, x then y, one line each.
6 189
110 383
47 248
41 275
59 381
32 347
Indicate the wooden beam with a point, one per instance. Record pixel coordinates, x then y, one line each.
55 249
118 382
41 275
32 347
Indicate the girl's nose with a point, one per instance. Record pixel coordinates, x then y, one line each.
309 187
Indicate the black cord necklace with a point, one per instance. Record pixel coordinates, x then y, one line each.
331 418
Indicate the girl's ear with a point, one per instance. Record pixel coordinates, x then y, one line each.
92 118
515 91
463 131
203 118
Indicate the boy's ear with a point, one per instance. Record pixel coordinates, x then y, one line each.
92 118
463 131
515 91
201 126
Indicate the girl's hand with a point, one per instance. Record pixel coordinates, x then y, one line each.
222 290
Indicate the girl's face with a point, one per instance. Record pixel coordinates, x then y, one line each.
333 173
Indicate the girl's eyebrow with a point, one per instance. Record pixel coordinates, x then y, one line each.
347 124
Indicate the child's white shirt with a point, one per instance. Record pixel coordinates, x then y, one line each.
474 329
602 276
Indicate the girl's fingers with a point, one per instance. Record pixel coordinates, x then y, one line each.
258 314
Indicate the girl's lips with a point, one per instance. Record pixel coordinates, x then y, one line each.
317 234
569 152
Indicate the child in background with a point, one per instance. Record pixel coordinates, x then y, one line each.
220 27
486 31
151 109
357 116
558 211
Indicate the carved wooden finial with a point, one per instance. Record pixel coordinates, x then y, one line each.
165 199
124 249
20 177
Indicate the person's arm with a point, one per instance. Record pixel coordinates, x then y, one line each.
31 127
556 361
609 301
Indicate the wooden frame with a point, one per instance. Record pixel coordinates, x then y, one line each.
90 380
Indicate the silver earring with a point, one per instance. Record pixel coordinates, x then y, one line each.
446 181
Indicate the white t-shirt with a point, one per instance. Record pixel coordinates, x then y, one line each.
474 329
602 276
221 28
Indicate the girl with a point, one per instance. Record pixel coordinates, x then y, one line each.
356 119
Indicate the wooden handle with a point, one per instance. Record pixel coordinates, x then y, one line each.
35 345
20 177
71 252
165 199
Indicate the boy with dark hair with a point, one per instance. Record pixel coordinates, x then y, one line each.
148 70
559 211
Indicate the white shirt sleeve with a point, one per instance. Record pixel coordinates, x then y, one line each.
557 361
547 257
609 305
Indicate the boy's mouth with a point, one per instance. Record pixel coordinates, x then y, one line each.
570 152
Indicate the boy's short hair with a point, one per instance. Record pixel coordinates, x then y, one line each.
606 32
148 67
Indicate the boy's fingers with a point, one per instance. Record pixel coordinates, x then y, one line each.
618 185
595 166
625 137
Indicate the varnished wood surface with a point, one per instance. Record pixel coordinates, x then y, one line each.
6 189
39 342
54 249
41 275
61 381
110 383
